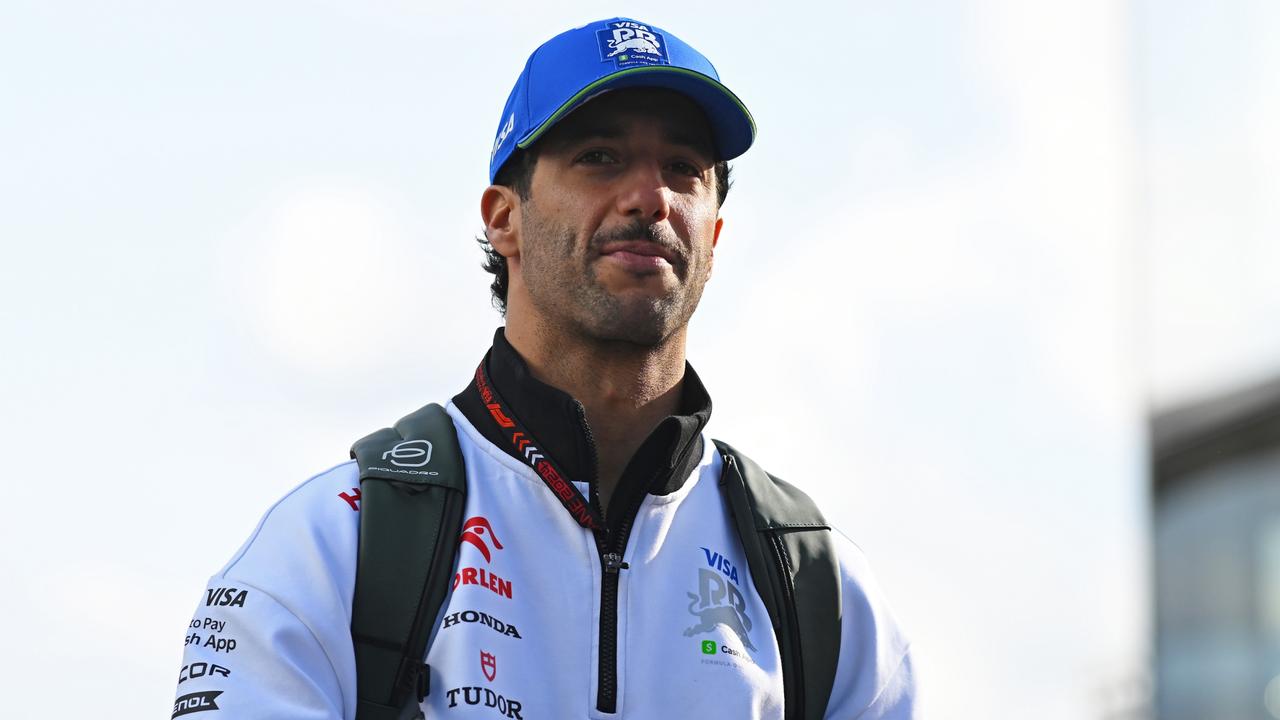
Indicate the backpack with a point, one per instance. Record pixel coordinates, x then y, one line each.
411 521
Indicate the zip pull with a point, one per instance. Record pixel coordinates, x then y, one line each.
730 463
613 562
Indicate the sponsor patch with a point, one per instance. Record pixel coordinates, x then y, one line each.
225 597
474 532
197 670
721 563
483 578
488 665
628 44
507 127
209 624
352 498
472 616
718 603
484 697
195 702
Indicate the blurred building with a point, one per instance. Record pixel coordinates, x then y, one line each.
1217 557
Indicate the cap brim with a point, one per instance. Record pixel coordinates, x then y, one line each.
731 123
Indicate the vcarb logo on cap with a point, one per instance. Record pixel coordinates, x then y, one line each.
409 450
629 43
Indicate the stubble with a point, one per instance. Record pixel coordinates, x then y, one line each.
564 284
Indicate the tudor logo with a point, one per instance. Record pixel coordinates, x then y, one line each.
402 453
474 530
488 665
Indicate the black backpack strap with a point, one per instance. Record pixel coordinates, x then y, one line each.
412 493
796 572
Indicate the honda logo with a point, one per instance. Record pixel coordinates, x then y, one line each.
402 453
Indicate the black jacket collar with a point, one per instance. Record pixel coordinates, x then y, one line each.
661 465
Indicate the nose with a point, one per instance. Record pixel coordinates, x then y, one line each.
644 193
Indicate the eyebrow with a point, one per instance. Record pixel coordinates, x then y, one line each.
608 131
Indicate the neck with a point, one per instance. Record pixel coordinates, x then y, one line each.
626 389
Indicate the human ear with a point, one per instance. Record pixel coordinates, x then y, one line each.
500 211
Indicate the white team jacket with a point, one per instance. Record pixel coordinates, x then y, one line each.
270 637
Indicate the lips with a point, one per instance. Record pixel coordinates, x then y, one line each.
639 251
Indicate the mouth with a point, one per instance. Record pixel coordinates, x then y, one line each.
640 254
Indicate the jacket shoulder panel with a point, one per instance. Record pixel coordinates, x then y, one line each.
874 675
303 556
315 515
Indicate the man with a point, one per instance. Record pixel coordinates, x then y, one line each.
629 593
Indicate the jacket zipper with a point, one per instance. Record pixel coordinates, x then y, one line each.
607 687
611 563
612 545
796 681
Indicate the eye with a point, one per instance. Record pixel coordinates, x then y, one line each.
596 156
686 168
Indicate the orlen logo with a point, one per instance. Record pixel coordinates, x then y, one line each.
473 531
402 453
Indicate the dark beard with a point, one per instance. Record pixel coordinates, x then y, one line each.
563 285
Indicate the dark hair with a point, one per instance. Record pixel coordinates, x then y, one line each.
517 174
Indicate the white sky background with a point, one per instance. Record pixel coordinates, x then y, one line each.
238 237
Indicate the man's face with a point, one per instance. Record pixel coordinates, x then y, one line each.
617 234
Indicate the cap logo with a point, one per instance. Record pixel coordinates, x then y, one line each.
507 127
629 43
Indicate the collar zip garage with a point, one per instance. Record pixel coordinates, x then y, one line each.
661 465
588 516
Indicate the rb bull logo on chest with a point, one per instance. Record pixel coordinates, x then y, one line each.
629 43
718 601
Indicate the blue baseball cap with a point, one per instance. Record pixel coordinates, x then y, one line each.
579 64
